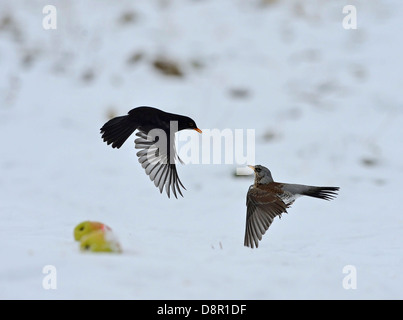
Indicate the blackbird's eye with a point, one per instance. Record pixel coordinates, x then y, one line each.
258 169
191 124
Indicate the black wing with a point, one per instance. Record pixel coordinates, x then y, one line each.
157 156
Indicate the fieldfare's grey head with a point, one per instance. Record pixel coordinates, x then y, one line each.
262 174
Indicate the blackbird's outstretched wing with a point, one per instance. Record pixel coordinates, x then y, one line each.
262 208
157 156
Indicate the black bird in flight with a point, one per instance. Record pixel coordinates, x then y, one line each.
156 139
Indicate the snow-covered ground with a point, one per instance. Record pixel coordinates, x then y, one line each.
326 107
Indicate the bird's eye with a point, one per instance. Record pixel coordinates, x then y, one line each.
257 169
190 124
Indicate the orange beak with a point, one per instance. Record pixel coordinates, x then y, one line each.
198 130
252 167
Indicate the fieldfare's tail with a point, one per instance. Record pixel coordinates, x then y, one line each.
326 193
117 130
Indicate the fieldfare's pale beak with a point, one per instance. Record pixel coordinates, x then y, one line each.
198 130
252 167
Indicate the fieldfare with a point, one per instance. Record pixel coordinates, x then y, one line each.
267 199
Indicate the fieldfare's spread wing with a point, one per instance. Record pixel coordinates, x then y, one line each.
262 208
157 156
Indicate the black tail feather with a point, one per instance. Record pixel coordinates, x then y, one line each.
117 130
326 193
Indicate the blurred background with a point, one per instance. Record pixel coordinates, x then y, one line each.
325 103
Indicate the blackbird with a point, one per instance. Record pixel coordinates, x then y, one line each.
267 199
156 139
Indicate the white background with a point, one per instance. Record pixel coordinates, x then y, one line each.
326 106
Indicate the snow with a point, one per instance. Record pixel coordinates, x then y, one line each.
326 107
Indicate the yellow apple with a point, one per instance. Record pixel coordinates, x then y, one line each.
100 241
87 227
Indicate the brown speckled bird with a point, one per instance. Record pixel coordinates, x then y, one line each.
267 199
